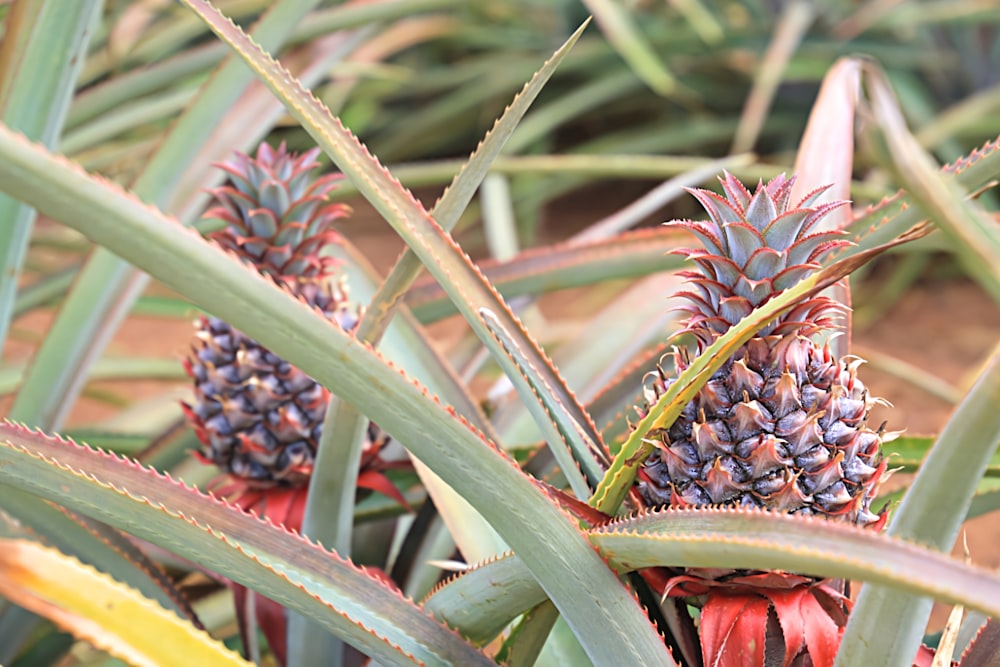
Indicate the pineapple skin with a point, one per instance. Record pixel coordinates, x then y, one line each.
782 425
259 417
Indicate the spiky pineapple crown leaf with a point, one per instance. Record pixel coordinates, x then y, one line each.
277 213
755 246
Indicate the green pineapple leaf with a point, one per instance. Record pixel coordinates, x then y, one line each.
43 50
527 639
565 436
909 451
895 214
758 539
724 538
456 198
986 498
344 598
334 479
405 345
483 600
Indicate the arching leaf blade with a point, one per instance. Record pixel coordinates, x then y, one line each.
758 539
483 600
457 196
970 230
95 545
302 576
96 608
565 437
43 49
406 345
880 223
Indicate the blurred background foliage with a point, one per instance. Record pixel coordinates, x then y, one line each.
710 77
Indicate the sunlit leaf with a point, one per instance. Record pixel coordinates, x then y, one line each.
102 611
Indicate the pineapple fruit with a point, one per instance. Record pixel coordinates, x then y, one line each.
259 417
781 426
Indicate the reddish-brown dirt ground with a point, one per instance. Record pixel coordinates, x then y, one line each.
947 327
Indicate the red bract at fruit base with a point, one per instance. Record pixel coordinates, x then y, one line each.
782 426
259 417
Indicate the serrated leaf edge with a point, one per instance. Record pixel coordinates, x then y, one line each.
182 487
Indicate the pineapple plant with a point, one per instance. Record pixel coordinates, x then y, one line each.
258 416
782 426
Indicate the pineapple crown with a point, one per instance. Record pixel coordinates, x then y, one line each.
755 246
277 213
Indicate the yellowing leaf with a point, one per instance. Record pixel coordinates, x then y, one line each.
96 608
